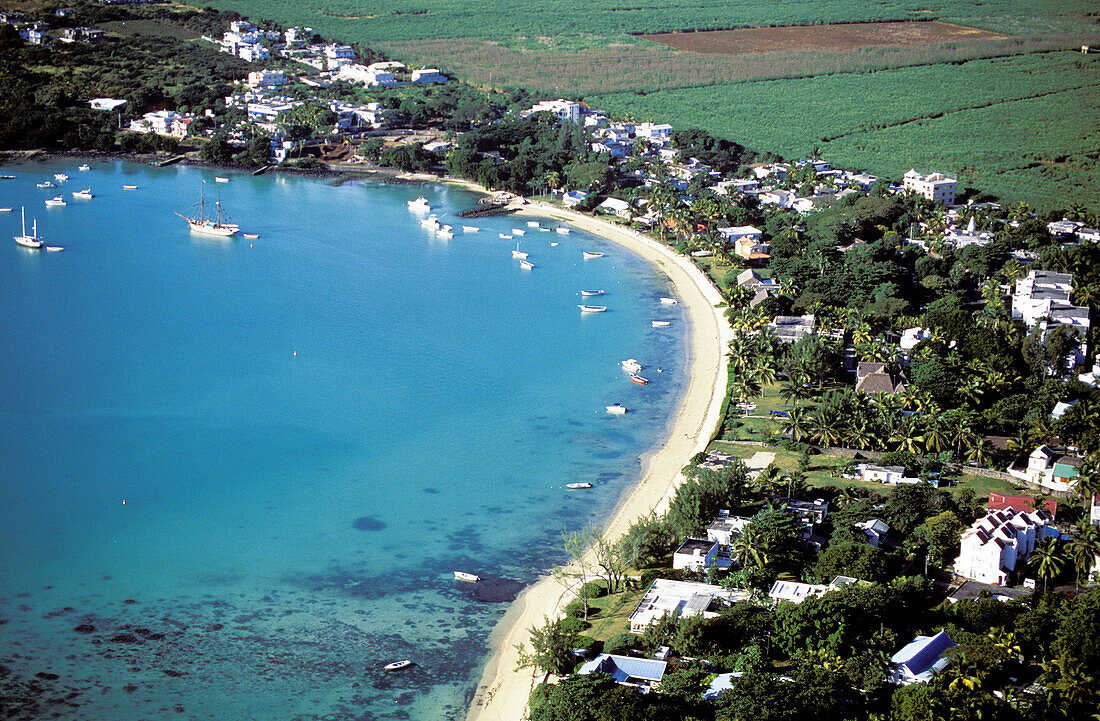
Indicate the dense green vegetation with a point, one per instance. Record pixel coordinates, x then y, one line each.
1009 126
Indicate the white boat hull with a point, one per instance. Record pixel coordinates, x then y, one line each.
205 227
593 308
470 229
468 577
661 324
578 486
616 410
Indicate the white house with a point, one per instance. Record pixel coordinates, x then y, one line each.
1043 299
614 206
696 554
567 111
1051 468
253 53
159 122
106 103
937 187
921 659
797 592
654 132
683 599
426 76
267 79
368 75
337 55
875 531
726 528
790 328
998 542
573 197
890 475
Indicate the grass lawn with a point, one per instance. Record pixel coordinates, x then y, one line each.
614 615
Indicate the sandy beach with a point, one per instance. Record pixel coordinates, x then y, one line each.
503 692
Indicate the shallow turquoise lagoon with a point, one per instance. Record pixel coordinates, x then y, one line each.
236 476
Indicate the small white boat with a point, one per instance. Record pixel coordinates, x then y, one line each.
669 301
445 232
470 229
129 187
397 665
47 184
589 254
7 177
635 378
661 323
85 194
430 222
83 168
553 245
60 176
56 201
616 409
251 236
632 365
517 253
589 293
577 486
54 249
526 265
5 210
463 576
544 230
532 224
563 231
505 236
518 231
420 205
218 179
593 308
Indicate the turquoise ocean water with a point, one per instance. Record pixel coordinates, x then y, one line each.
236 476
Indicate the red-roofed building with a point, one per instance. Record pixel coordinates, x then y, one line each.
1001 501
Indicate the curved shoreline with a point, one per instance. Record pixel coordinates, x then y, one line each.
502 692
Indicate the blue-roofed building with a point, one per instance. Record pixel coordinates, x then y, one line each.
919 661
642 673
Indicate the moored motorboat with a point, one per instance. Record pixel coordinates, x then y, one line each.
56 201
532 224
591 292
544 230
470 229
589 254
616 409
518 231
632 365
526 265
7 177
83 167
635 378
54 248
251 236
397 665
563 231
592 308
420 205
661 323
129 187
445 232
553 245
464 576
669 301
218 179
60 176
46 184
579 485
5 210
85 194
505 236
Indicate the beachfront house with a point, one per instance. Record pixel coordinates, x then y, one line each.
573 198
641 673
921 659
725 529
789 328
615 206
681 599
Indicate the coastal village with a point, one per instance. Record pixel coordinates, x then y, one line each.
898 515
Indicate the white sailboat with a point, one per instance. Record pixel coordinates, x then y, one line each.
517 253
207 226
32 240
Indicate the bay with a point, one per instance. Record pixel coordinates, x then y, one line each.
237 475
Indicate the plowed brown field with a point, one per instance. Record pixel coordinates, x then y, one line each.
818 37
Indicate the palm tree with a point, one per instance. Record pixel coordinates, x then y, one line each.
824 428
935 436
1048 560
1085 549
796 388
908 436
796 423
763 372
745 552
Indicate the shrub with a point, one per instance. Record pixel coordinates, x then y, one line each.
595 589
570 624
622 644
